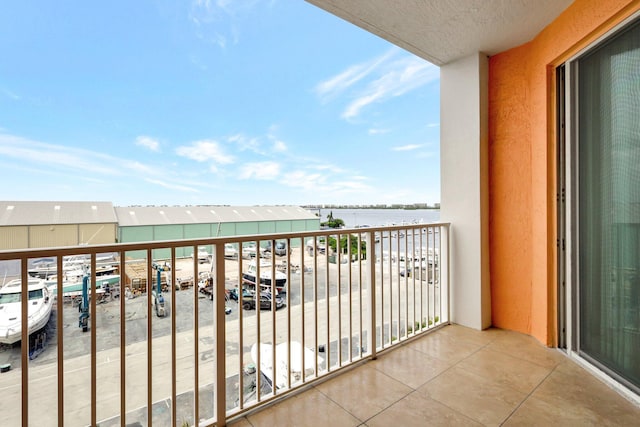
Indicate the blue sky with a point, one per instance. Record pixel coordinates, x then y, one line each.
172 102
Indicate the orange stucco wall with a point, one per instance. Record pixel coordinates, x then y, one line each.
522 218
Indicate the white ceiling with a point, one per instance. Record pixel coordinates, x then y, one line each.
442 31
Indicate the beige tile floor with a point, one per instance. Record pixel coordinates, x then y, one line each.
457 376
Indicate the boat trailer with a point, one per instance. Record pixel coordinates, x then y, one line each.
83 307
158 298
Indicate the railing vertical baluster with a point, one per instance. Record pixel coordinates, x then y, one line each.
327 349
406 283
149 338
349 290
196 338
302 305
288 289
24 343
390 325
371 255
240 326
174 350
274 368
220 338
258 337
432 282
426 270
439 280
448 247
381 288
360 284
315 301
60 339
123 340
92 318
338 261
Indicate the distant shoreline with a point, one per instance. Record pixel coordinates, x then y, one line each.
394 207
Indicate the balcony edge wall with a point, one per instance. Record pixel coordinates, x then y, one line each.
464 186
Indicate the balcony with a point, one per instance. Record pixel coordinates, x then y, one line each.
457 376
169 345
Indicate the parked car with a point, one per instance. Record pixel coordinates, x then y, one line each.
249 250
230 251
234 294
203 255
317 244
280 248
249 302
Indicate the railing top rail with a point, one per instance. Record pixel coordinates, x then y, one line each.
12 254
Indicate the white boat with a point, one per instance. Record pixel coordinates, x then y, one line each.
73 267
72 288
281 371
249 278
40 305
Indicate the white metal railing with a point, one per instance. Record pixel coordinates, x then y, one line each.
165 354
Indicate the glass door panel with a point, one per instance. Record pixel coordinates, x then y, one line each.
608 115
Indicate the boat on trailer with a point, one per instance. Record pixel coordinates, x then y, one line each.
73 288
249 277
40 305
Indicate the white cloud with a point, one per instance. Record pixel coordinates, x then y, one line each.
327 167
433 125
408 147
205 151
324 184
377 80
56 156
77 165
10 94
374 131
245 143
217 22
279 146
172 186
138 167
349 77
307 181
148 142
399 77
260 170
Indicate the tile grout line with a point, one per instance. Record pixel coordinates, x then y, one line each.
342 407
414 390
529 394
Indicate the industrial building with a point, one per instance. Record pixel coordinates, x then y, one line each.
153 223
26 225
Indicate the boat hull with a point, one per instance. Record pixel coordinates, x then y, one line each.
265 282
40 306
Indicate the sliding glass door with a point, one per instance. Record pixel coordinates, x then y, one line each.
606 115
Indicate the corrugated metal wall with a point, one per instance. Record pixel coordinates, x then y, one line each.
50 236
95 234
149 233
46 236
16 237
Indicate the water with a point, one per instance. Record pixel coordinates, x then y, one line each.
381 217
384 217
